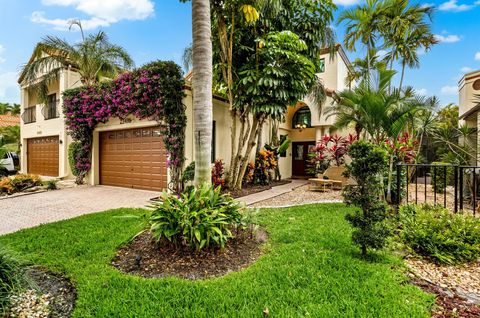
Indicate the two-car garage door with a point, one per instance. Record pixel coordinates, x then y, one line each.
133 158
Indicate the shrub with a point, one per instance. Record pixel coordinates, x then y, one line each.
12 276
19 183
189 173
438 178
202 218
248 176
51 184
368 162
265 162
218 170
75 150
436 233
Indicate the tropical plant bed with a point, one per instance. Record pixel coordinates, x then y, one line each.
143 257
309 267
255 188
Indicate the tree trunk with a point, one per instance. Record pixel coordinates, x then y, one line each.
202 89
401 78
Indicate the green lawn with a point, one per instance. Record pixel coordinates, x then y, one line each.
310 268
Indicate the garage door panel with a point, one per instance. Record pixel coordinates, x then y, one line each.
43 156
134 158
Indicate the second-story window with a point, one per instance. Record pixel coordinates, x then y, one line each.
50 110
321 67
29 115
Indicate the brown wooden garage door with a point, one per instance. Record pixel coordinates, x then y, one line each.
134 158
42 156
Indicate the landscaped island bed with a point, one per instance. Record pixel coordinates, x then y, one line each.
309 267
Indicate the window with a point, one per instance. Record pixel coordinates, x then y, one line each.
302 117
29 115
321 67
282 140
214 137
50 109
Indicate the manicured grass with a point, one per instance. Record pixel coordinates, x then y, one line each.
310 268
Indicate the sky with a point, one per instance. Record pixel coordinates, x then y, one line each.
161 29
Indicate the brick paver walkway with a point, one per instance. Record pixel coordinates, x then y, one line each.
273 192
35 209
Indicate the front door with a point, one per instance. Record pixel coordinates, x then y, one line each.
301 157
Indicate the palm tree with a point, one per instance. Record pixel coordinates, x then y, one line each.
406 29
382 113
94 58
363 25
202 89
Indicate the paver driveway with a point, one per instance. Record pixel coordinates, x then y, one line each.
31 210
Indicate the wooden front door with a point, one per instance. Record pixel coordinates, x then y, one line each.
133 158
42 156
300 157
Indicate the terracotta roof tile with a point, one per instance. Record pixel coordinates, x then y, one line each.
9 120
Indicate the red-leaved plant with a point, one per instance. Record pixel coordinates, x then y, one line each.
330 149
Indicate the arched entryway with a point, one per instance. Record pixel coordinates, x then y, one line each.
303 142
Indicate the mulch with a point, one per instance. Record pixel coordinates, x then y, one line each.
251 189
61 290
143 257
448 304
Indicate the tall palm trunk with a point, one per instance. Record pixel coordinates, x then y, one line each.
202 89
403 74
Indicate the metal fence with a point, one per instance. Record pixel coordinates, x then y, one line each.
453 186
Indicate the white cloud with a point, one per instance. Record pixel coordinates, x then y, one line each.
466 69
422 91
452 38
100 12
477 56
2 59
346 2
453 6
381 54
62 24
449 90
9 90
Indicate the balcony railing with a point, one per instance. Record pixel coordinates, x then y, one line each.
50 110
29 115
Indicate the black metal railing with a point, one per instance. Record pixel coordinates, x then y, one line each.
50 110
453 186
29 115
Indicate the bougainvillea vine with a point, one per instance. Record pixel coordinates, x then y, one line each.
152 92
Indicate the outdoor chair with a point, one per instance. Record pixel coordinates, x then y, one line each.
332 178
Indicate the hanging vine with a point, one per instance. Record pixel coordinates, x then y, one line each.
153 92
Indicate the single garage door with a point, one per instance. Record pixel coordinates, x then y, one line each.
133 158
42 156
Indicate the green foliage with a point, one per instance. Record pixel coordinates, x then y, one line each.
189 173
12 276
202 218
368 162
436 233
309 260
51 184
278 76
75 150
441 179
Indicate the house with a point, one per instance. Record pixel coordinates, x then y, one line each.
469 107
129 153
